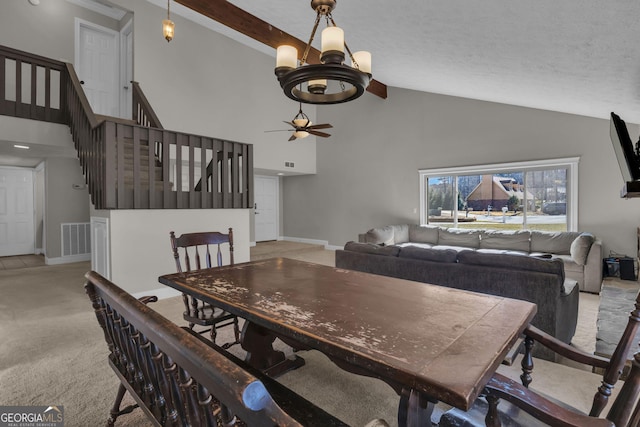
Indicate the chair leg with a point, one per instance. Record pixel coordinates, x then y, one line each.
527 362
213 333
236 330
115 410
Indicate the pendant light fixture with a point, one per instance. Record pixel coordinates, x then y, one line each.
168 27
331 81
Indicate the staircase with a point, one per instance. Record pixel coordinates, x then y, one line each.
128 164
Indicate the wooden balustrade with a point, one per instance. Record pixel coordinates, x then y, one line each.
128 166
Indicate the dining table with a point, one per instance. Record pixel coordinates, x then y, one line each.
429 343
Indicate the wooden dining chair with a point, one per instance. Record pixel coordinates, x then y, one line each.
520 406
612 370
196 254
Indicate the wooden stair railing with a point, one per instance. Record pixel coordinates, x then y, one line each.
127 164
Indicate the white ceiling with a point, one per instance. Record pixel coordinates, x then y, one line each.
574 56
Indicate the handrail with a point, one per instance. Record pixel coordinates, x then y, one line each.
82 98
127 166
143 113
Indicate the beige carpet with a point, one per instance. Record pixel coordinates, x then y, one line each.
53 353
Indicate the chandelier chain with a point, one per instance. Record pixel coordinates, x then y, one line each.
168 6
355 64
313 34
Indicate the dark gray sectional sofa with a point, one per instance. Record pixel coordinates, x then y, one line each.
538 280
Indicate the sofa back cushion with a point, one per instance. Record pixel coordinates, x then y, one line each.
553 243
388 235
518 262
423 234
426 254
467 238
514 240
580 247
370 248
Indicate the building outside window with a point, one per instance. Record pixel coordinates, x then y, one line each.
535 195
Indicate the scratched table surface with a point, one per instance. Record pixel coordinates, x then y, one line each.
443 342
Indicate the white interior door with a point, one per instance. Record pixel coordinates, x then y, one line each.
97 65
266 208
126 70
16 212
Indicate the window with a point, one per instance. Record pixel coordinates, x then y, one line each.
536 195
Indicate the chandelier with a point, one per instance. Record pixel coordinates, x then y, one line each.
331 81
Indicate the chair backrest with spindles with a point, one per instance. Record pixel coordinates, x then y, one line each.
196 249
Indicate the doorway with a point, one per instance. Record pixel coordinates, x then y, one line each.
266 208
97 61
17 235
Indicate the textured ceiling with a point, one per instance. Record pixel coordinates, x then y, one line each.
575 56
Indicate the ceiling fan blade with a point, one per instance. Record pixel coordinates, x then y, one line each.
316 133
279 130
292 138
320 126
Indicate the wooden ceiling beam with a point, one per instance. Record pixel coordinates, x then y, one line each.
239 20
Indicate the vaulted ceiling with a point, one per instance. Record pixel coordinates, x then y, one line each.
575 56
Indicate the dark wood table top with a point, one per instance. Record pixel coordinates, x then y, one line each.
440 341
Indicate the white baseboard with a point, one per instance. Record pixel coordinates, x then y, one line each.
161 293
67 259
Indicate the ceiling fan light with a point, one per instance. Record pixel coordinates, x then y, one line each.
300 134
362 61
302 123
286 56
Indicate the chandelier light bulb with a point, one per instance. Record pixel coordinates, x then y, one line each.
362 61
286 56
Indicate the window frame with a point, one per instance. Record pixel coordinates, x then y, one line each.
570 163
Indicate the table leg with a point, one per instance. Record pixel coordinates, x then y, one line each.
415 409
257 341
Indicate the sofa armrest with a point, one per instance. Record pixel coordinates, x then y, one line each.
593 268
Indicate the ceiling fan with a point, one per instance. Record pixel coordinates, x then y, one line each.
302 127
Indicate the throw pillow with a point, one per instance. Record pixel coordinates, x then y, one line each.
580 248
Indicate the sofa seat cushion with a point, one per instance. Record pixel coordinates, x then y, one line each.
416 245
517 240
569 263
370 248
463 237
521 262
502 251
455 248
423 234
427 254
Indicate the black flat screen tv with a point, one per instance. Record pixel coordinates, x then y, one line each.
626 153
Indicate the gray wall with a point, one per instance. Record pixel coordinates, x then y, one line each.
46 29
63 203
368 170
